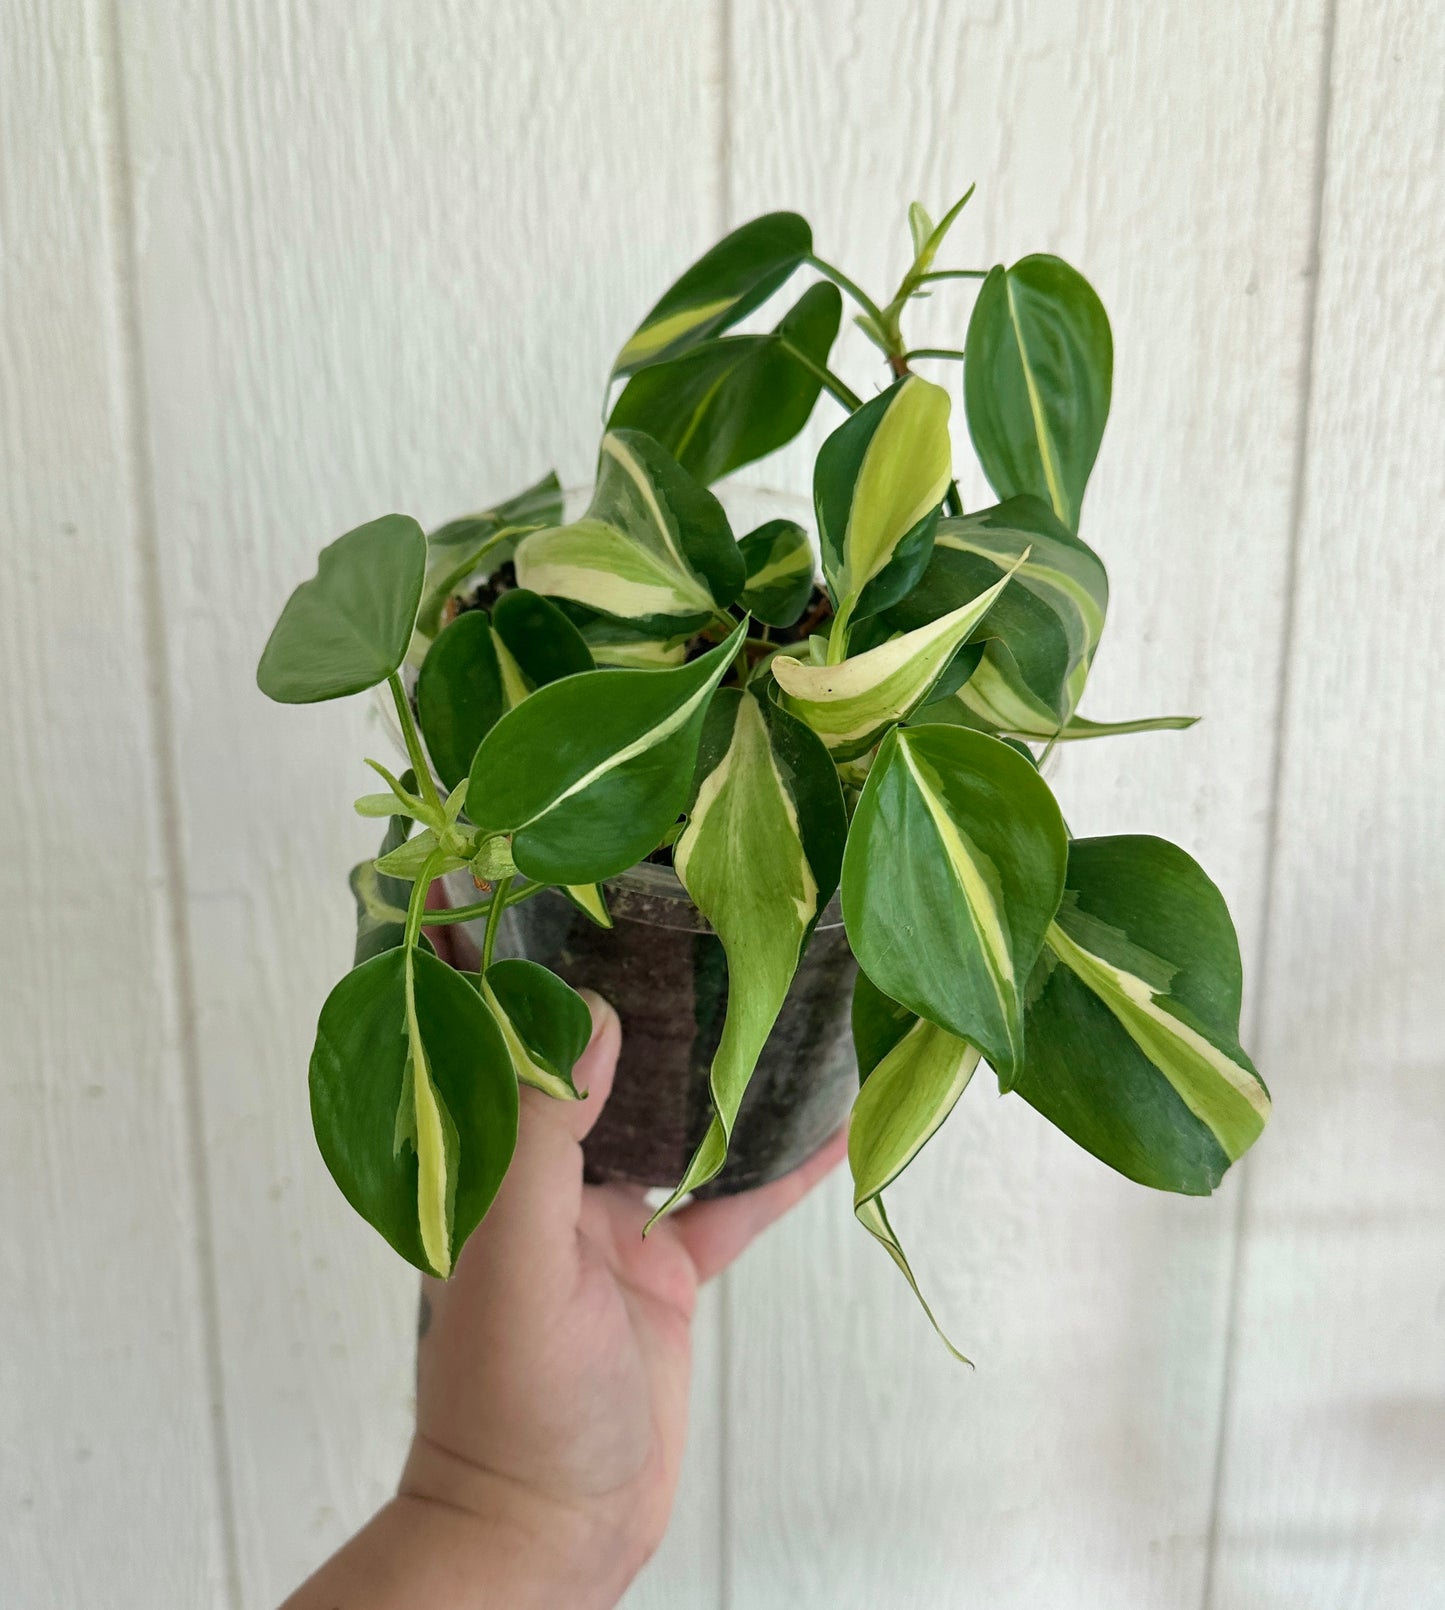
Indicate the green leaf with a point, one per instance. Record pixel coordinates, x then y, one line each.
348 628
591 900
407 860
851 705
779 572
414 1103
542 642
913 1073
459 696
726 402
628 646
759 857
1132 1042
654 545
381 900
544 1022
877 485
953 872
1042 634
1037 381
591 771
738 274
455 551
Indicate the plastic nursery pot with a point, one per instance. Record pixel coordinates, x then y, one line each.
663 969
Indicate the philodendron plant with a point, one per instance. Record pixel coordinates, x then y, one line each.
642 682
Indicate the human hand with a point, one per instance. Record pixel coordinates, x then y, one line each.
552 1379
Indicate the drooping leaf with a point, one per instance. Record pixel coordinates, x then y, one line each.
414 1106
654 545
544 1022
1042 634
459 694
983 716
725 284
726 402
759 857
877 486
591 771
591 900
1037 381
779 572
348 628
455 551
913 1073
1132 1032
953 872
851 705
543 643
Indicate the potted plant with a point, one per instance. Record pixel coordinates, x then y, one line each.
653 756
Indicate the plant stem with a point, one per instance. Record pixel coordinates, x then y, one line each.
496 906
830 382
953 274
840 279
416 905
932 352
482 908
413 743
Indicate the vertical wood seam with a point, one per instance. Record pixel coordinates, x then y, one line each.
1283 703
163 772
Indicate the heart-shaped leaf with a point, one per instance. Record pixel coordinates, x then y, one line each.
779 572
654 545
1037 381
953 872
725 284
727 402
590 772
759 857
459 694
1132 1033
851 705
544 1022
913 1073
414 1102
348 628
877 486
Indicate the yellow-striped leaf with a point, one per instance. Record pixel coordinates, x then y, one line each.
589 773
545 1024
953 872
779 572
725 284
877 486
851 705
759 857
654 545
913 1073
1132 1032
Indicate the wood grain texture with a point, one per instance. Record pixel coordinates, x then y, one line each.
1169 154
1333 1488
387 254
108 1491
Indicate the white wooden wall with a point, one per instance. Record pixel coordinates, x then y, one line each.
271 266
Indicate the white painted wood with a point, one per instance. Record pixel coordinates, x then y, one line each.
387 253
1168 152
1333 1487
108 1490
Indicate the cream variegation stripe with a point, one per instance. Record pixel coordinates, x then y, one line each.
1036 408
794 562
653 338
589 897
596 564
515 687
979 896
526 1067
1038 575
1227 1098
433 1190
847 704
618 453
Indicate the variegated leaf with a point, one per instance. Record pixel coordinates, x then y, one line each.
913 1073
851 705
759 857
1132 1037
779 572
459 694
877 486
1037 381
590 772
738 274
953 872
545 1024
654 546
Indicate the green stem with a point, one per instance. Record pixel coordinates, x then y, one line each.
495 908
840 279
482 908
829 381
416 905
952 274
413 743
932 352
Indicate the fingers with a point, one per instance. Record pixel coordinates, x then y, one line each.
594 1073
715 1232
